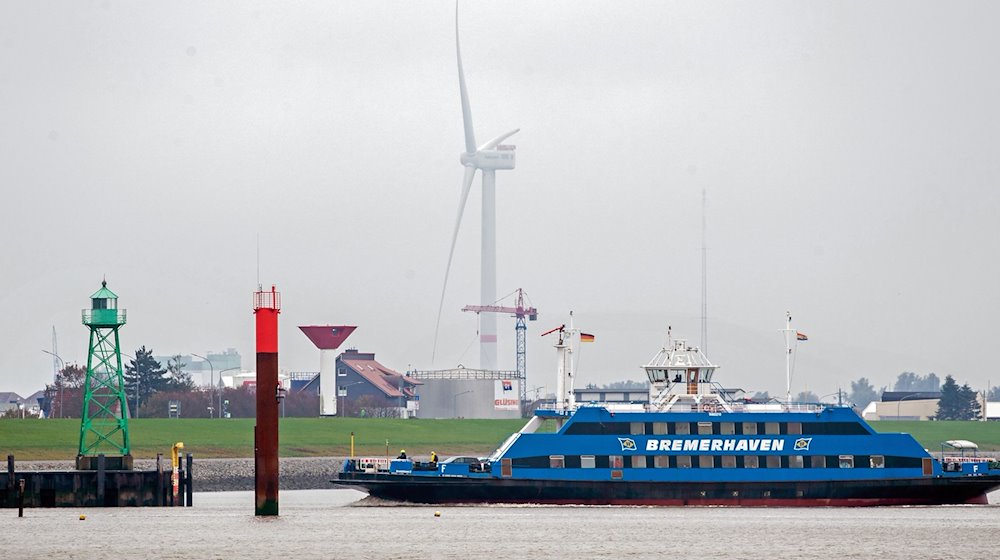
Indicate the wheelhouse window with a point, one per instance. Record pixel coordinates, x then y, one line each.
817 461
706 462
773 462
729 461
727 428
795 462
684 462
616 462
682 428
557 462
638 461
846 461
704 428
659 428
877 461
772 428
749 428
637 428
587 462
795 427
661 461
750 462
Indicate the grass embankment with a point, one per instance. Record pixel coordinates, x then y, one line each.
931 434
57 439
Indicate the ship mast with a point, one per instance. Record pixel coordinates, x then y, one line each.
788 358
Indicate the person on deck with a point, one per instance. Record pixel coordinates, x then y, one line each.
402 454
434 457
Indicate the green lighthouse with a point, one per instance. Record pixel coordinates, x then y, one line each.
104 417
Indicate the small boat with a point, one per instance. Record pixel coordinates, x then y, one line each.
693 443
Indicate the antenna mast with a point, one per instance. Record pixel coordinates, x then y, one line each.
704 275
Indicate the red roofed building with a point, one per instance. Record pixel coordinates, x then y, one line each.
366 385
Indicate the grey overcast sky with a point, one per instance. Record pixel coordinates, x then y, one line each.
848 149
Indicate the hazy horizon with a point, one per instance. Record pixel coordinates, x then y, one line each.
848 151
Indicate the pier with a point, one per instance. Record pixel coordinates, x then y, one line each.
100 487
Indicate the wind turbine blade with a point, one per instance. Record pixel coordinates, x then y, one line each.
470 174
496 141
470 136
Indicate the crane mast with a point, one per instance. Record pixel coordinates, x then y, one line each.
519 311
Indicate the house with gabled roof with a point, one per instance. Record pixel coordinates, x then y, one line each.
366 387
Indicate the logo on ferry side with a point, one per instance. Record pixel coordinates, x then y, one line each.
628 444
802 444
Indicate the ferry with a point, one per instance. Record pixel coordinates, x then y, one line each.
693 443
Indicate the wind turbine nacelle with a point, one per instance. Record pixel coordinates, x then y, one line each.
489 159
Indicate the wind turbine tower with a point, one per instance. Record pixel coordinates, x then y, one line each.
488 158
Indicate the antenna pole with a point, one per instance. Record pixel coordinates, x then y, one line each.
704 274
788 359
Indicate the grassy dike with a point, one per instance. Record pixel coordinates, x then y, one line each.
56 439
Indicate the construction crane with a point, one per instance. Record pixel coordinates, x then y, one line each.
519 311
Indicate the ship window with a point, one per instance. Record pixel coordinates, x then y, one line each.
616 462
682 428
773 462
684 462
795 427
795 462
877 461
557 462
729 461
727 428
637 428
771 428
661 461
705 428
750 462
817 461
749 428
659 428
846 461
706 462
638 461
586 461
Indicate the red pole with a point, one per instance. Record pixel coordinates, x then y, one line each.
266 308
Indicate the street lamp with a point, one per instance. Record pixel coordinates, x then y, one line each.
903 399
454 403
56 380
221 386
342 395
211 382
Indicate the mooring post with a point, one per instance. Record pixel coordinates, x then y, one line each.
159 479
187 479
20 498
10 478
100 479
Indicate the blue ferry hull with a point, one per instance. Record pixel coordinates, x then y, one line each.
454 490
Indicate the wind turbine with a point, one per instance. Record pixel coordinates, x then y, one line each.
488 158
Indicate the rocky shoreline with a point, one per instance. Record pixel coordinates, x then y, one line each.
226 475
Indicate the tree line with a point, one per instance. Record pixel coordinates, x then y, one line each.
150 388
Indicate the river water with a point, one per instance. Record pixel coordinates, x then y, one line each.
337 524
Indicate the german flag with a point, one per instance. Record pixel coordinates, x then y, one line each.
584 337
801 336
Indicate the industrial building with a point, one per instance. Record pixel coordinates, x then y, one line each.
468 393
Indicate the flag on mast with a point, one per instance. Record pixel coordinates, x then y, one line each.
584 337
800 336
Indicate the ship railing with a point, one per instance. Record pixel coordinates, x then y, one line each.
371 464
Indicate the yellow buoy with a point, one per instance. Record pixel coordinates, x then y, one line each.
83 517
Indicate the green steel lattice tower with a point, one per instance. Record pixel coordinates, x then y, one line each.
104 417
